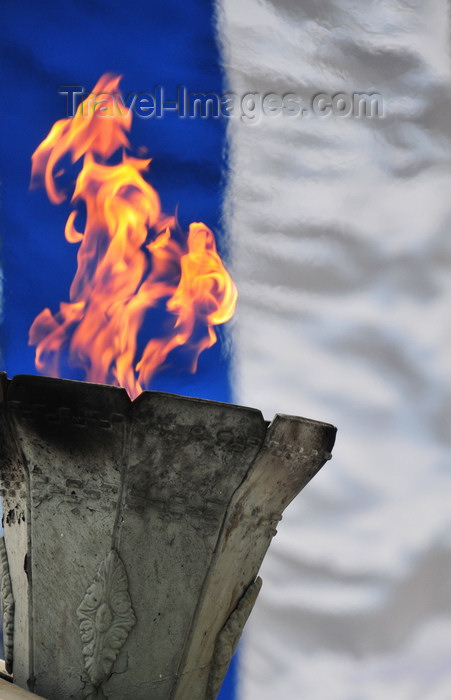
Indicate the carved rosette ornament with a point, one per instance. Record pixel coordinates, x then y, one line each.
106 618
7 607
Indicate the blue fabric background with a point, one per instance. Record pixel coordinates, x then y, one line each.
73 43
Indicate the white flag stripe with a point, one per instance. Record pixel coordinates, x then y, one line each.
342 256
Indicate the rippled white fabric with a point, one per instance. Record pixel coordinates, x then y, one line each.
341 232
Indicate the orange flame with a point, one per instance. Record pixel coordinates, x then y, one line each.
129 260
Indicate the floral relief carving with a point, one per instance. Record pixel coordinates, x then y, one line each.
106 618
7 607
229 637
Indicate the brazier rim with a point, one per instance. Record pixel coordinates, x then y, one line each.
15 380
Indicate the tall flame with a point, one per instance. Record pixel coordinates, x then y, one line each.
131 258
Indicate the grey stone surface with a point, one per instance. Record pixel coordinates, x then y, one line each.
135 531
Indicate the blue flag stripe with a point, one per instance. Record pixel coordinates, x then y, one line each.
155 46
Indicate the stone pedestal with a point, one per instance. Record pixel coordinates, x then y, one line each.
8 691
134 532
